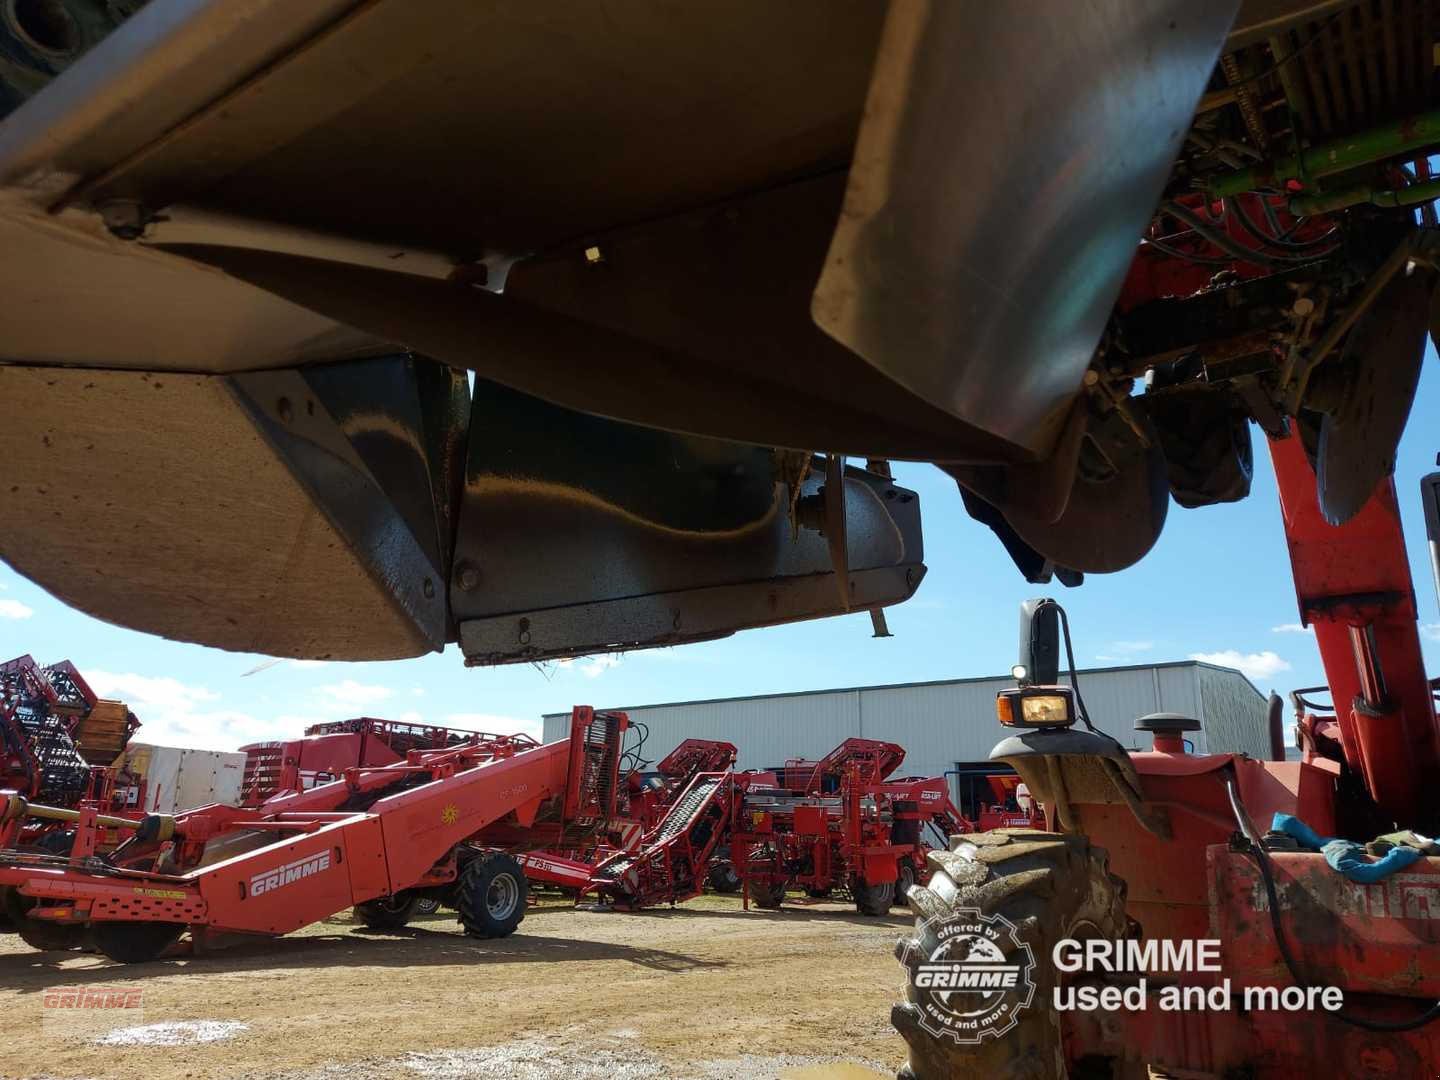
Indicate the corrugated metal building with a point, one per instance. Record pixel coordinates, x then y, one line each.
950 726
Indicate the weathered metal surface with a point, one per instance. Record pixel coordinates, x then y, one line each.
642 110
600 535
150 500
75 295
1371 939
1259 1043
981 278
1370 396
356 436
726 291
707 311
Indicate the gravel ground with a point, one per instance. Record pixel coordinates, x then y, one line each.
706 991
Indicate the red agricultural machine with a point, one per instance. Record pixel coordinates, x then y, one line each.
1014 807
329 749
57 741
54 729
378 838
1174 846
646 796
842 826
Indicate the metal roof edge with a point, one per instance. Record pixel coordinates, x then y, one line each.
909 685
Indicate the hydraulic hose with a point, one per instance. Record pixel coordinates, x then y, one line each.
1267 876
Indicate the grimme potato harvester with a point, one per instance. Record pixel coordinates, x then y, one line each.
437 824
836 824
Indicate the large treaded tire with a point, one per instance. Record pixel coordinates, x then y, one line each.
491 895
135 942
1051 886
905 879
723 878
41 934
387 912
768 896
873 900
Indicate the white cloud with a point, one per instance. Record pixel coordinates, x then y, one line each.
349 693
14 609
1288 628
1430 631
1258 666
1120 652
1128 647
590 666
598 665
150 690
175 713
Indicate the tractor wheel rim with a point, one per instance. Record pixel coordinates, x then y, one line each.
501 897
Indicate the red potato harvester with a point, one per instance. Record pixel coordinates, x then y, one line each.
842 825
439 822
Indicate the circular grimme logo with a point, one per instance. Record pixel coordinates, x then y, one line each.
970 975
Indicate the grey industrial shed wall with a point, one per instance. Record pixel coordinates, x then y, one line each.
941 723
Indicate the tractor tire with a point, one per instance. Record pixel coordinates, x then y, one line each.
135 942
388 912
768 896
46 936
40 934
491 897
874 899
723 879
906 878
1051 887
425 905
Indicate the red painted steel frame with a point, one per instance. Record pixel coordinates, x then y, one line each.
840 822
1353 586
1378 943
646 799
324 858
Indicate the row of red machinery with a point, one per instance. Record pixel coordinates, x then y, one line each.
385 816
841 825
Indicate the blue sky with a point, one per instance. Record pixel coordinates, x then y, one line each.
1217 586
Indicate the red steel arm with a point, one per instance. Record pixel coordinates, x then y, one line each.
1353 586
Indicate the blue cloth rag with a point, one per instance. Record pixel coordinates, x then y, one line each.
1346 856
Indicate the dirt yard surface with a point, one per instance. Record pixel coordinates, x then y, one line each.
705 991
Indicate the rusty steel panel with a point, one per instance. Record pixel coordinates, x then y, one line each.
1374 939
